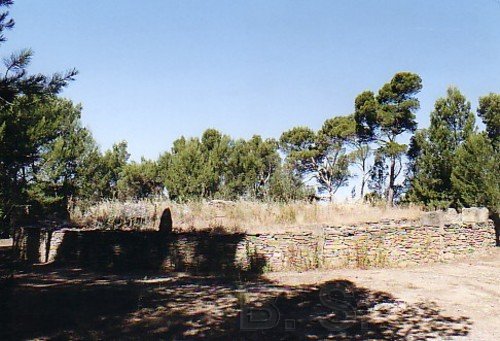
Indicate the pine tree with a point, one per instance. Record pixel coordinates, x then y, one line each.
20 95
320 156
489 111
139 180
383 118
250 165
64 160
343 129
432 150
475 180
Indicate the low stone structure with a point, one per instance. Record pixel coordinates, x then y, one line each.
470 215
439 236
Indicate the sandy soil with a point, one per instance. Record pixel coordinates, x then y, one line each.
468 288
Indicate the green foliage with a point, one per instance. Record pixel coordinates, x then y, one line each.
299 143
42 152
285 186
365 114
63 161
101 173
250 166
433 151
320 156
218 167
377 182
343 129
182 169
384 117
340 129
397 104
215 149
474 178
47 157
15 80
489 111
26 125
110 167
452 120
139 180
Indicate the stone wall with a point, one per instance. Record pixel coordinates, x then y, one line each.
371 245
439 236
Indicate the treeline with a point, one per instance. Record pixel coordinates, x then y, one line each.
47 158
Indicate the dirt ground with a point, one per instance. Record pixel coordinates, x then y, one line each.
469 288
458 300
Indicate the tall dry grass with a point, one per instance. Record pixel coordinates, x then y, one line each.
239 216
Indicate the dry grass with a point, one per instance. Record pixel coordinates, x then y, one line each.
240 216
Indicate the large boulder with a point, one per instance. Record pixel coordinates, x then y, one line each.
451 216
434 218
475 215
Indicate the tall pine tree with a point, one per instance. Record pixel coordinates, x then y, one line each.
386 116
432 151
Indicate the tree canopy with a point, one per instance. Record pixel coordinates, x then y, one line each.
319 155
433 150
382 118
48 158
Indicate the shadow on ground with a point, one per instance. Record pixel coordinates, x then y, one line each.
119 284
66 302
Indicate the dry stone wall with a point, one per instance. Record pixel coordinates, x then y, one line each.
437 237
371 245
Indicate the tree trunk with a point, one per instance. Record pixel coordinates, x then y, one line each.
390 192
362 191
330 193
494 215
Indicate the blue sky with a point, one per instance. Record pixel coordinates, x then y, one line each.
151 71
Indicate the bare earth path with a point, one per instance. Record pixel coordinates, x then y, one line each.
462 288
459 300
